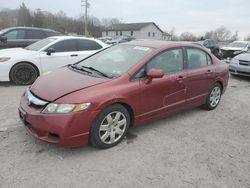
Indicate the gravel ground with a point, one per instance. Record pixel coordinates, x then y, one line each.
192 149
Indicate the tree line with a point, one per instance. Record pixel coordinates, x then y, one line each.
59 21
66 25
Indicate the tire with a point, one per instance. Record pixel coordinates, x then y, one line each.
214 96
106 131
23 74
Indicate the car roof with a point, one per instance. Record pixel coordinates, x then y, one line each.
241 41
34 28
71 37
158 44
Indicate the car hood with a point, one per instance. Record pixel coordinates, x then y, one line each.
243 57
61 82
11 52
232 48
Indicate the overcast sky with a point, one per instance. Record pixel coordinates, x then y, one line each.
196 16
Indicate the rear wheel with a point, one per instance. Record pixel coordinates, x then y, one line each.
110 126
213 97
23 74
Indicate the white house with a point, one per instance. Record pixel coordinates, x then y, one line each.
146 30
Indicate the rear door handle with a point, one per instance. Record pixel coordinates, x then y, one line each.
180 78
209 71
74 55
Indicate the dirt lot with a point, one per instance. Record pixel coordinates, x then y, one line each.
192 149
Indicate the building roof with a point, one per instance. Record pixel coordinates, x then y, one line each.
130 26
151 43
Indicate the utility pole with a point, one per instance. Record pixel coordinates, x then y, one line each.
86 5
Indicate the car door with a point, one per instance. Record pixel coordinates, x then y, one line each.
167 94
15 38
65 53
87 47
199 76
33 35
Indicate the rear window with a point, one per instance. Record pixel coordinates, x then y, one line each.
65 46
197 58
35 34
87 45
52 33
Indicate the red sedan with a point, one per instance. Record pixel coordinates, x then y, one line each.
98 99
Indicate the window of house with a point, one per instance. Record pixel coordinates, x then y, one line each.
132 33
120 33
149 34
116 33
197 58
153 34
168 61
107 33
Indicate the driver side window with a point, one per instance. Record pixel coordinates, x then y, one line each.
15 34
168 61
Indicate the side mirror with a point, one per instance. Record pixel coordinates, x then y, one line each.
154 73
3 39
50 51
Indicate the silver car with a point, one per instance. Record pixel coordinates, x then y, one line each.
240 64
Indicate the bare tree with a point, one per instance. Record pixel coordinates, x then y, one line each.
24 17
221 34
38 18
247 37
187 36
106 22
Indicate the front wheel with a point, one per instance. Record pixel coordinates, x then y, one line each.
213 97
23 74
110 126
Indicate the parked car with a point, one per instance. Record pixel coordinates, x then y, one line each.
212 45
126 85
23 36
105 39
120 39
240 64
23 65
233 49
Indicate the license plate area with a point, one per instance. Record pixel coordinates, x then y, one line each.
22 114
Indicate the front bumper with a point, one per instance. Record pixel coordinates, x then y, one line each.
236 69
68 130
4 71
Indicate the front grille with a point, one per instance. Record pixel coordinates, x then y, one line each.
244 63
227 53
231 70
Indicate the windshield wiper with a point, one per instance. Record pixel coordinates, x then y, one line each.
100 72
79 68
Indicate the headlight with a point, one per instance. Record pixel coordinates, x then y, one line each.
3 59
237 52
234 61
53 108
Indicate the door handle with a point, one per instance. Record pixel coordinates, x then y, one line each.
209 71
180 78
74 55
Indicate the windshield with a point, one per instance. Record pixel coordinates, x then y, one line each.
40 44
3 31
116 60
238 44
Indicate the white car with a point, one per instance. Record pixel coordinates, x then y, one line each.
233 49
23 65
